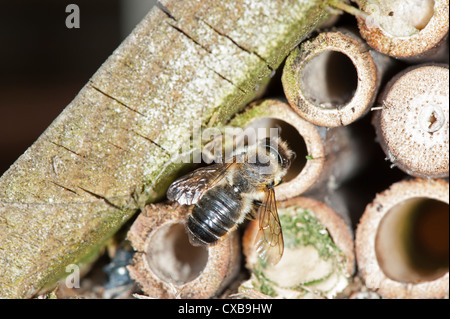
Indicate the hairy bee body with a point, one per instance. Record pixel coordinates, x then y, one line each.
224 194
216 213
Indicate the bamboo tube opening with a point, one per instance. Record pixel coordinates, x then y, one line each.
166 265
412 240
302 137
318 254
289 134
412 125
404 29
402 240
332 79
172 257
329 80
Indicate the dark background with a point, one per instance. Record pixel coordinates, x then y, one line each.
43 64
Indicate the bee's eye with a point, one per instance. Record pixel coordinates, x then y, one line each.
270 148
280 159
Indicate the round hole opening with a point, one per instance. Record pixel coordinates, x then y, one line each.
172 257
431 118
268 126
412 242
329 80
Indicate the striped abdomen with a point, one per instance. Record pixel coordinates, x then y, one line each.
215 214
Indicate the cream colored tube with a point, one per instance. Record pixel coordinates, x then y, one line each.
405 29
332 79
402 245
166 265
413 123
318 259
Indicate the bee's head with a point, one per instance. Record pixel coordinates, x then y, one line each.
280 150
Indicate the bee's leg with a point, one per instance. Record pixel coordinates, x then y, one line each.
254 211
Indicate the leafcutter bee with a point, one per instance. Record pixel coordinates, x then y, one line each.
225 193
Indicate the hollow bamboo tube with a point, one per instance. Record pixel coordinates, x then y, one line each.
404 29
318 258
413 124
324 157
166 265
402 245
332 79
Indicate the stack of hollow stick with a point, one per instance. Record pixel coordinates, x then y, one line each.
393 76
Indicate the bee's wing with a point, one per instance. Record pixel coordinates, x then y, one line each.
190 188
269 240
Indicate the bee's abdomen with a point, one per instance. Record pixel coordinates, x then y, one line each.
214 215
